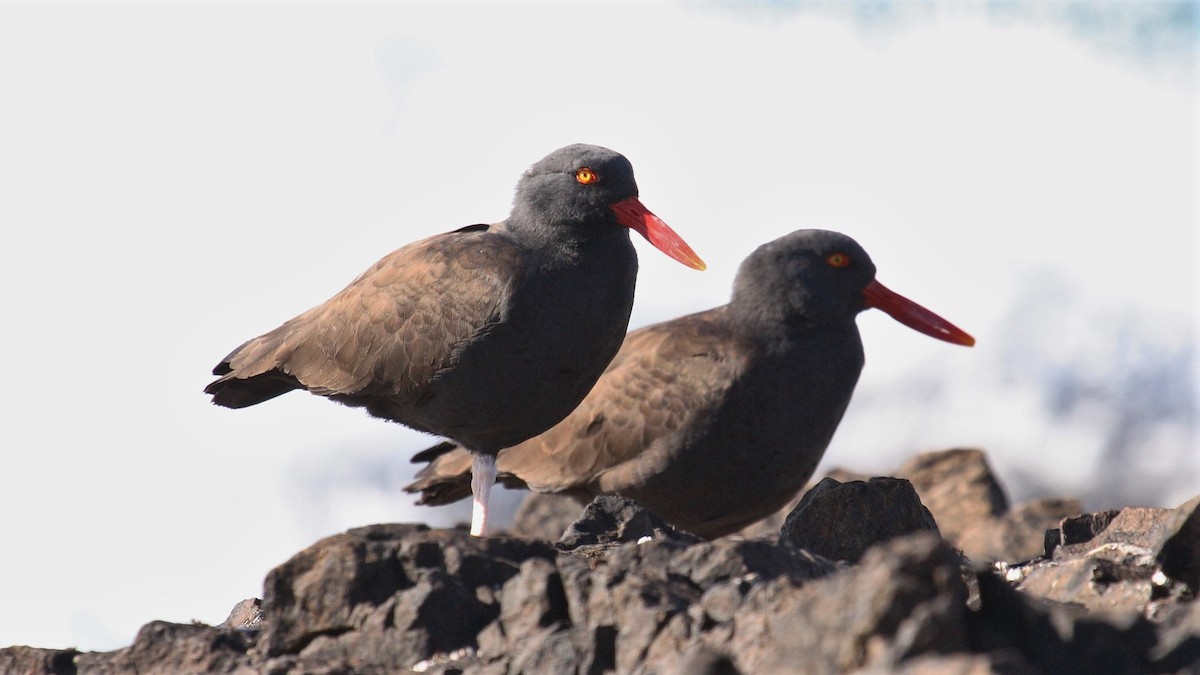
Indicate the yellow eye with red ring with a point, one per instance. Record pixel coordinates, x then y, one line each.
838 260
586 176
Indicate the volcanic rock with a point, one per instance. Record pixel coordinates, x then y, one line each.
1113 592
842 520
22 659
163 648
610 519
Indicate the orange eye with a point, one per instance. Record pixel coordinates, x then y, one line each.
838 260
586 176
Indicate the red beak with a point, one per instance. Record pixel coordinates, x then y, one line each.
913 315
633 214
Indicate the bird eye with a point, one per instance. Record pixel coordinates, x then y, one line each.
586 176
838 260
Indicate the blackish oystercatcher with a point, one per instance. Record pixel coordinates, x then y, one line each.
488 335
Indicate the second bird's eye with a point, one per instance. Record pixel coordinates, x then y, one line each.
838 260
586 176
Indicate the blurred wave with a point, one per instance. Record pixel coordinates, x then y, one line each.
1152 33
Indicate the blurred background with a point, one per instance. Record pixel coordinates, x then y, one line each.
176 178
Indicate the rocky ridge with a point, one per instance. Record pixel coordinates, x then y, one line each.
930 570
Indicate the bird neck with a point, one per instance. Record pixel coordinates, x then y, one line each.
780 324
566 236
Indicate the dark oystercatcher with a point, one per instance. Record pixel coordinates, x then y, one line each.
488 335
717 419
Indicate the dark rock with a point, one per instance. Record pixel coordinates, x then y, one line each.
545 516
391 595
163 648
545 651
1077 530
1057 638
35 661
957 486
1132 535
1179 554
610 519
842 520
648 599
534 599
627 593
905 598
1114 564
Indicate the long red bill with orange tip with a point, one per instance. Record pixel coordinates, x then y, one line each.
913 315
633 214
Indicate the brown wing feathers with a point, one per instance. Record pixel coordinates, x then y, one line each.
386 334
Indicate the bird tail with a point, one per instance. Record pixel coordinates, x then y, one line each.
256 377
230 391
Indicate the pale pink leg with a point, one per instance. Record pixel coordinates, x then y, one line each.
483 476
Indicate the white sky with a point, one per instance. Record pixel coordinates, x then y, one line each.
177 178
